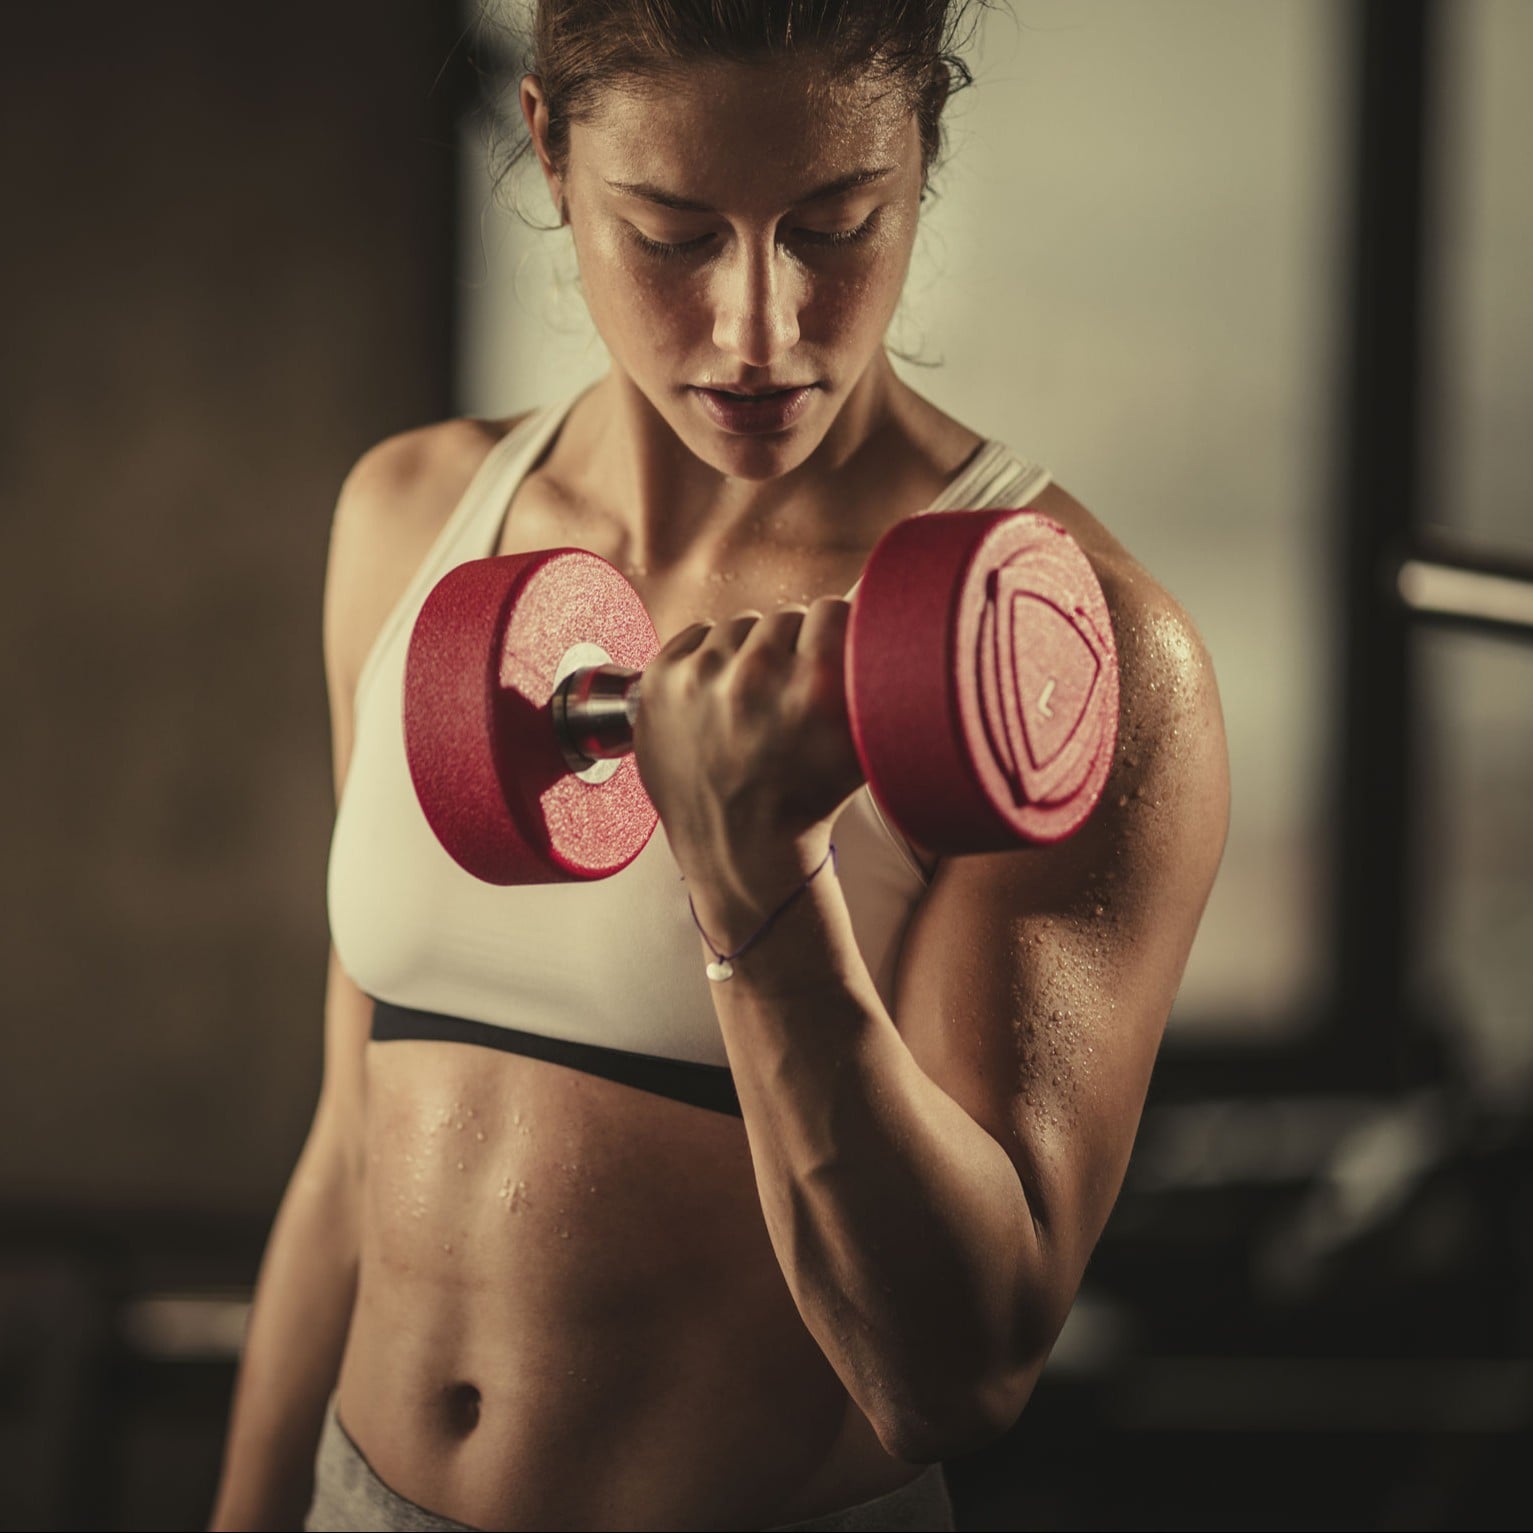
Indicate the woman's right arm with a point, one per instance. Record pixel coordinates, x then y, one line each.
389 510
303 1296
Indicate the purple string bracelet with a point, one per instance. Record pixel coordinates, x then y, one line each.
723 965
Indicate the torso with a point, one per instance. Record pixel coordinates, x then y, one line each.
569 1313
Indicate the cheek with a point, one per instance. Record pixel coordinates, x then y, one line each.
855 303
634 301
860 297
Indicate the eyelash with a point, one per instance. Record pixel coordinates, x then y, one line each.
837 241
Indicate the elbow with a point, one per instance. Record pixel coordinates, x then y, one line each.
932 1431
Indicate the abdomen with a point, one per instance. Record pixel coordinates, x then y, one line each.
569 1313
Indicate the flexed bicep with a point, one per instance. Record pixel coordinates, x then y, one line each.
1034 986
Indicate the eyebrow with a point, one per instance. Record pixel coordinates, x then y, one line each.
665 199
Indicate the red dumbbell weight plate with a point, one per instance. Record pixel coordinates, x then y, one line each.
483 662
983 680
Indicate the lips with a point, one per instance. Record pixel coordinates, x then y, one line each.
745 391
755 411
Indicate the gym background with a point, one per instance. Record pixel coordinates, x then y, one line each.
1252 279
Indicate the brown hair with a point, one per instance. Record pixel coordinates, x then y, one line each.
579 48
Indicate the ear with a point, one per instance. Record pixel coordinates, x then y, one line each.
534 105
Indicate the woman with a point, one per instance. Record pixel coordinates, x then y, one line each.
829 1238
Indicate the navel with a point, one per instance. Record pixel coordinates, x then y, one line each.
461 1403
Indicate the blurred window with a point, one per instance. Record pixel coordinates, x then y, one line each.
1482 249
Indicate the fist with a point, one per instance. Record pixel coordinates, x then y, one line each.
742 738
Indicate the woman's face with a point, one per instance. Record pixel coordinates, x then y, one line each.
742 230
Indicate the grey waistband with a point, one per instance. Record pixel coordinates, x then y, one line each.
349 1496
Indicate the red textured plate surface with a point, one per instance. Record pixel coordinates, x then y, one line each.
982 680
483 755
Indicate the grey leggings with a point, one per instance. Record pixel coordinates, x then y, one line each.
348 1495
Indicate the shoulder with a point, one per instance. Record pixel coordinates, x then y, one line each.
1172 754
391 506
1165 806
409 483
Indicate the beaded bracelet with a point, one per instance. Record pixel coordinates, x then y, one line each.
723 966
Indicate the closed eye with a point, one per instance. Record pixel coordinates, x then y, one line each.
839 237
824 239
662 248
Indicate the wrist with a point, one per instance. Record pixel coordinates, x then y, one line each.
732 920
734 889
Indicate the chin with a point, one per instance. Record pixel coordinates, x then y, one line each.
757 458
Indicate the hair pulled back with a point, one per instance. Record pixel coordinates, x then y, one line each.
581 48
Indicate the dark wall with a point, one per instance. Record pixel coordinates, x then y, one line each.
226 272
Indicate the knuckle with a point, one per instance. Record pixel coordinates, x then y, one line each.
709 661
757 664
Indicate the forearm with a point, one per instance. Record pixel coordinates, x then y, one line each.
292 1350
901 1225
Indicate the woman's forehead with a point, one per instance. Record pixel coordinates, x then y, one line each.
713 131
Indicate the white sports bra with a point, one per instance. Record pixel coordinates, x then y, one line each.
603 976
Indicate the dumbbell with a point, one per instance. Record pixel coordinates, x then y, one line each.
981 685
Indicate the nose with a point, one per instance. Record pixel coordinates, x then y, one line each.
756 304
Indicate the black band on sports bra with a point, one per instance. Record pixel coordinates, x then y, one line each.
709 1086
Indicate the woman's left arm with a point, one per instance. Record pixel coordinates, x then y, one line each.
934 1181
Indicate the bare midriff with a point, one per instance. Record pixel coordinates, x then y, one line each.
569 1314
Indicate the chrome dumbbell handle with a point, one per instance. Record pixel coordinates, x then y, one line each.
594 710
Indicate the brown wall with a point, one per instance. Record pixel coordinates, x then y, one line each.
226 272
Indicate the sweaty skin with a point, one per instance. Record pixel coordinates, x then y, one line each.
560 1302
